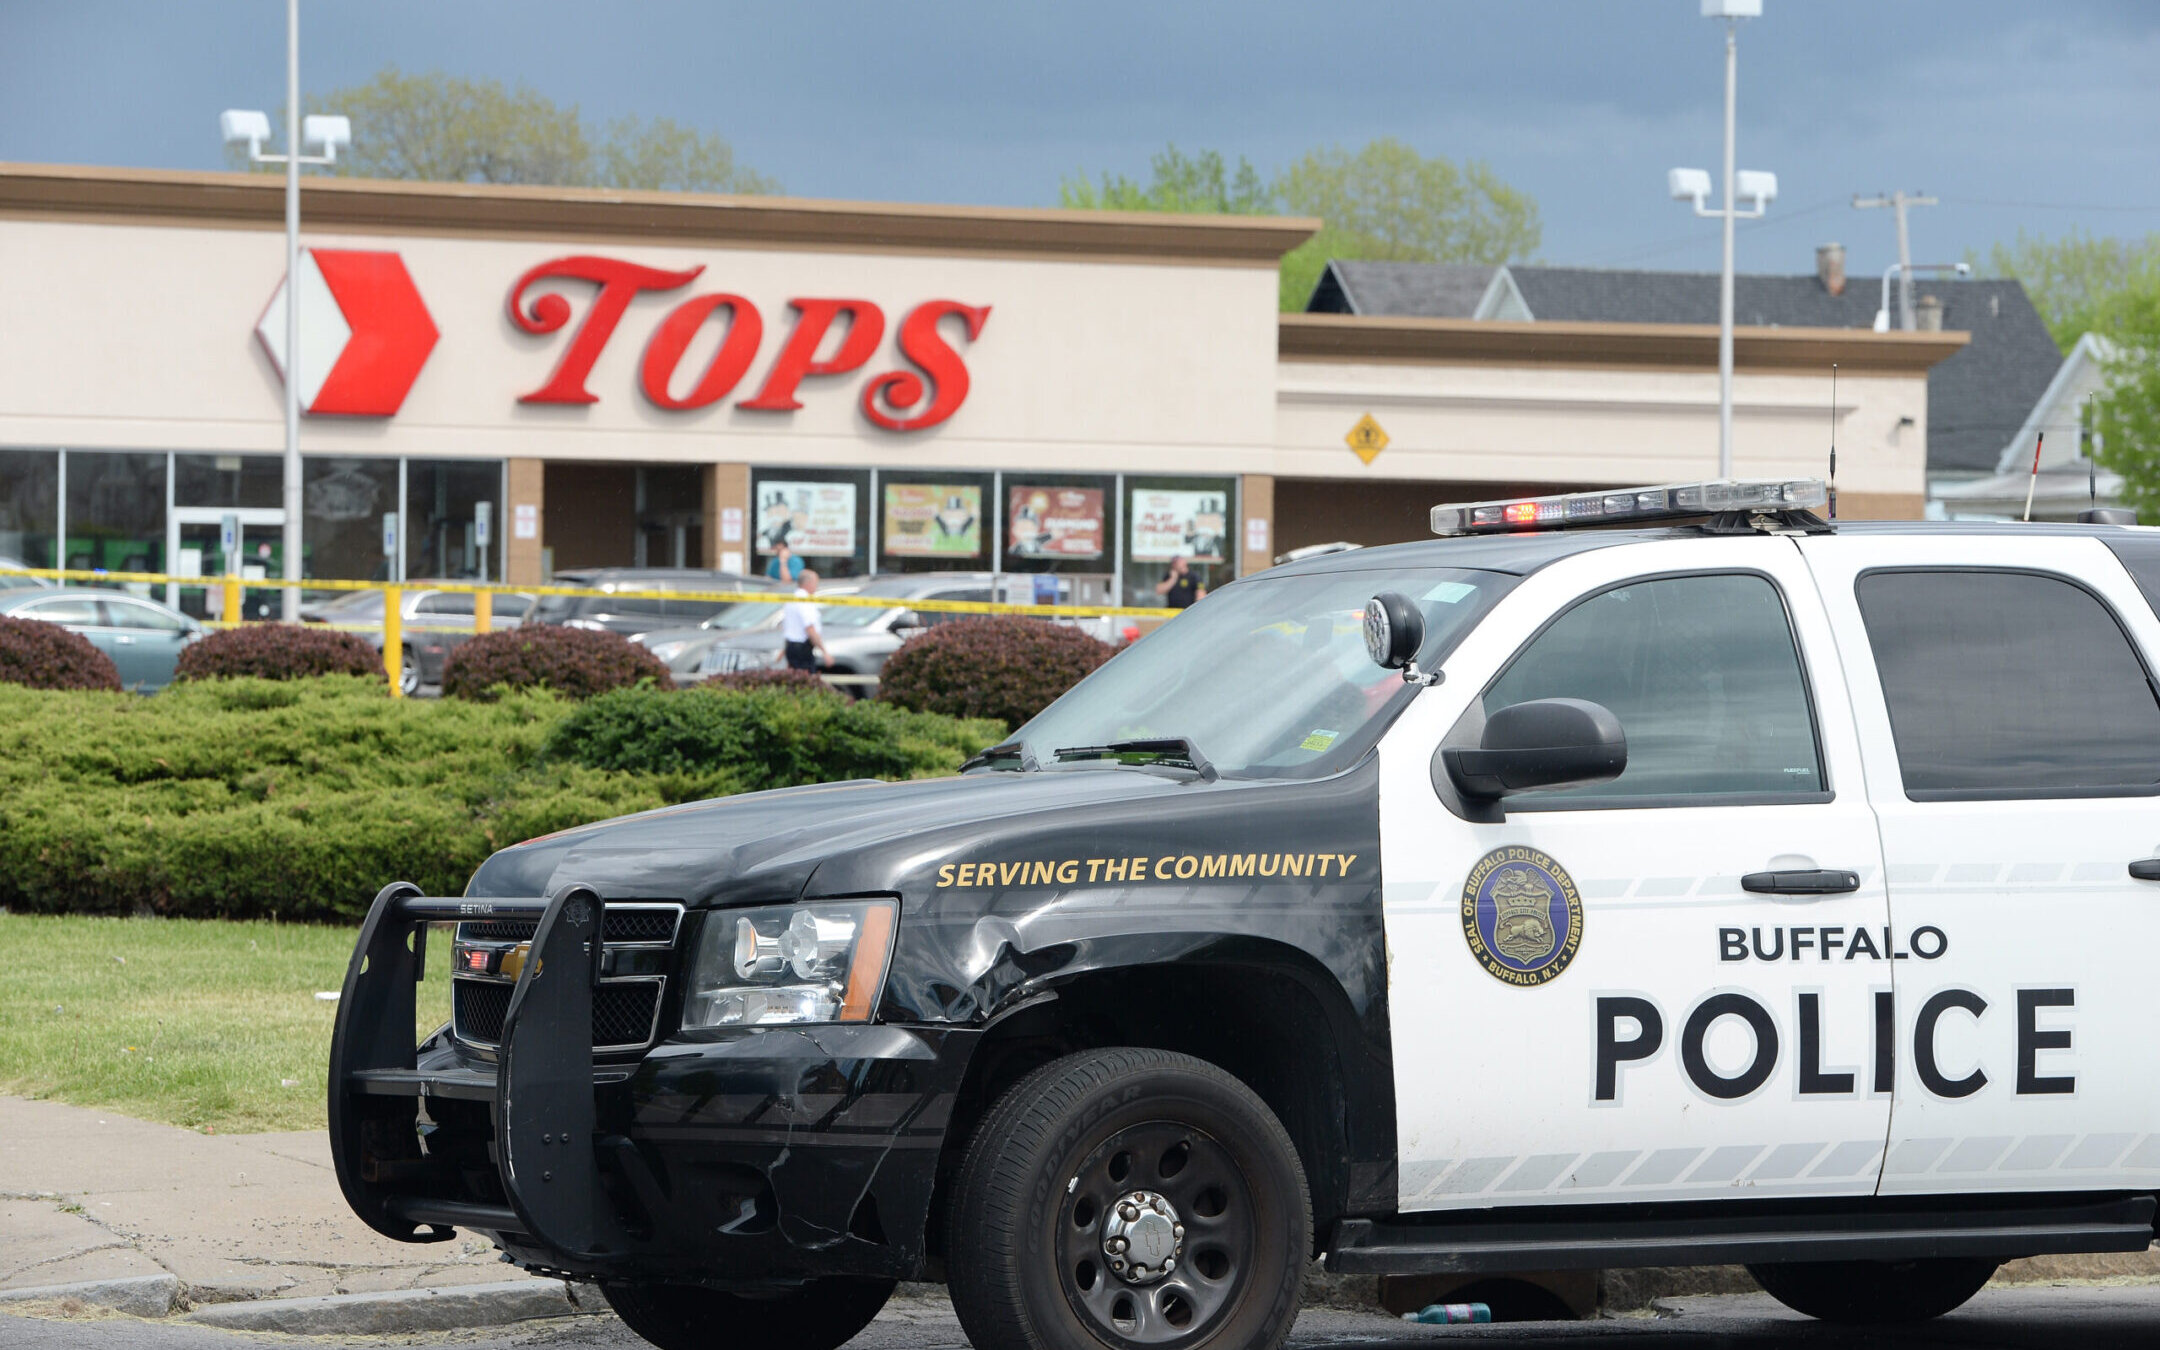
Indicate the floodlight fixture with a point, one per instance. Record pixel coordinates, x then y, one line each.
247 126
1689 185
1759 185
326 132
1732 9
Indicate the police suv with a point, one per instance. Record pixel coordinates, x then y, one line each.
1728 889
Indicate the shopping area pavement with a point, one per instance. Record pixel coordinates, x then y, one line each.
2028 1317
124 1234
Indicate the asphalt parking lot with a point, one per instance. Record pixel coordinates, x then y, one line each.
2086 1317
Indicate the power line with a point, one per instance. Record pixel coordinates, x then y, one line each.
1658 248
2049 206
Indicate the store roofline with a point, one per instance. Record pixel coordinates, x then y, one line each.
1354 337
250 200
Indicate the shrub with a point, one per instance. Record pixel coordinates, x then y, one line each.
574 662
47 656
761 738
277 651
784 679
1002 667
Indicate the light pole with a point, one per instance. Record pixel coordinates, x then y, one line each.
1694 185
253 128
1882 315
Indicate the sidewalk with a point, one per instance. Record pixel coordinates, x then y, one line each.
88 1195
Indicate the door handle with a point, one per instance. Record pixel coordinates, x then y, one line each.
2146 869
1819 881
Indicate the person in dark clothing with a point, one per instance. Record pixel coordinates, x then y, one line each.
1180 588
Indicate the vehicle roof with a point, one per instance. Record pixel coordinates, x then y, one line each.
920 583
734 579
23 596
1522 554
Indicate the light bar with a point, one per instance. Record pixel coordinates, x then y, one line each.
1633 506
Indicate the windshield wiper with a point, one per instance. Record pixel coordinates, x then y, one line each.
1009 750
1176 751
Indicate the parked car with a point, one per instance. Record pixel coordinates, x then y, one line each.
143 638
859 637
434 622
684 649
631 615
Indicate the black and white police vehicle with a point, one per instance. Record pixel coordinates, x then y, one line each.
1730 889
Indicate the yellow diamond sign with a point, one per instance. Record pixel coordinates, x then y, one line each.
1367 439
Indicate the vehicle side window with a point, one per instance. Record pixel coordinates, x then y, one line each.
1702 672
71 609
445 602
2009 684
512 606
128 614
932 618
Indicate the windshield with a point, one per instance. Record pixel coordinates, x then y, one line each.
849 616
748 614
1268 678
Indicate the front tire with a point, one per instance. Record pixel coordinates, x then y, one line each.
822 1315
1862 1293
408 673
1125 1198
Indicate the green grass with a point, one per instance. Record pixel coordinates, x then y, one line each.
194 1022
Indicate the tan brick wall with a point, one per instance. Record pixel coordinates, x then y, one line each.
727 488
521 557
1259 499
1881 505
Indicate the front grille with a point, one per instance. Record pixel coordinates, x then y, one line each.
621 924
622 1014
625 1007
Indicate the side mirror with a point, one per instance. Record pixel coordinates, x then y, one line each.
1545 743
1394 630
908 621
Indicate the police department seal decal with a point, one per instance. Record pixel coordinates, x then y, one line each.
1521 915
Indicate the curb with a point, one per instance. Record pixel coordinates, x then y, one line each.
403 1310
139 1296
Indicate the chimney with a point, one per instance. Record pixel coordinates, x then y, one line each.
1830 267
1927 314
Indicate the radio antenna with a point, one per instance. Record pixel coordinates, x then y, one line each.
2034 481
2092 460
1833 441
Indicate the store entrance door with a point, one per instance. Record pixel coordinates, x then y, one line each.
194 542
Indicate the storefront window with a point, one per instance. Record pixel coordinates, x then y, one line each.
346 500
823 514
935 521
115 511
231 481
443 500
1168 518
29 505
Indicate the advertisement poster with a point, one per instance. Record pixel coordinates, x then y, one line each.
941 520
815 519
1054 522
1168 525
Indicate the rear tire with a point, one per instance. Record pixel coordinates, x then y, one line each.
408 673
1860 1293
1155 1162
822 1315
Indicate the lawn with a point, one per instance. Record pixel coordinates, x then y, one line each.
212 1024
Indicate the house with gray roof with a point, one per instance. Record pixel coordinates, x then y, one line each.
1978 400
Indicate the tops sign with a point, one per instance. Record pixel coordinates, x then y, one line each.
897 400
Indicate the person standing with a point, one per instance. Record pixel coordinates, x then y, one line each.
1180 588
799 627
785 566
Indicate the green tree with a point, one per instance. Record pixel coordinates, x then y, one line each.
2078 280
1384 202
443 128
2082 284
1194 185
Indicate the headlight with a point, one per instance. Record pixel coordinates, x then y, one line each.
791 963
668 651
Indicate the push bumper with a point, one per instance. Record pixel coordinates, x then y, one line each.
752 1157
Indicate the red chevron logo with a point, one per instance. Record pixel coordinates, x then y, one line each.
364 332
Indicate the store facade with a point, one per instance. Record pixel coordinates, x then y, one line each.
509 383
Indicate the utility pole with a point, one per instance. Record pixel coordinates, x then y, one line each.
1898 201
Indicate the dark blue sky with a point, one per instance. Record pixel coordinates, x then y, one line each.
2016 114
